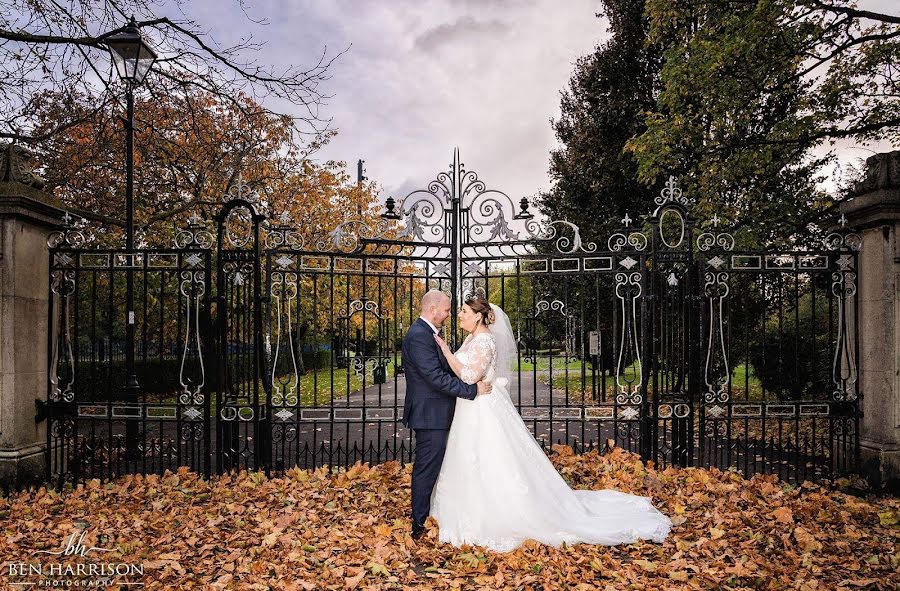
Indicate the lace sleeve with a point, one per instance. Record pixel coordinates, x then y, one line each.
478 358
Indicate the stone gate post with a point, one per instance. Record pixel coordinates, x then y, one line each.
27 216
875 212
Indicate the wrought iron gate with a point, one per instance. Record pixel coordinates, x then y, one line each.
95 429
666 338
241 417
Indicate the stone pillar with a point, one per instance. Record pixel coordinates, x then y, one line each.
875 212
27 216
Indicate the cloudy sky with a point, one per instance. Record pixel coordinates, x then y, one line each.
420 77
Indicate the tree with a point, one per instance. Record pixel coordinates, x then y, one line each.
194 149
58 48
594 178
191 150
750 88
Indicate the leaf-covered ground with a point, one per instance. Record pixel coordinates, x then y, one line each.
350 530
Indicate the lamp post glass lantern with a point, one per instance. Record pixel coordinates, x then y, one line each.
132 56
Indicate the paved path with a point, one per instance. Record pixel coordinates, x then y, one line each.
389 397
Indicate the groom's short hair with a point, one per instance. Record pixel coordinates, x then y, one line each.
431 298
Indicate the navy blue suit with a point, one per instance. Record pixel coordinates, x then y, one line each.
431 392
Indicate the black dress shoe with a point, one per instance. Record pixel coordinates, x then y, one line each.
418 532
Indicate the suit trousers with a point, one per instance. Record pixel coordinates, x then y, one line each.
429 455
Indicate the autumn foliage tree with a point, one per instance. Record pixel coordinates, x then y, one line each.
189 152
192 151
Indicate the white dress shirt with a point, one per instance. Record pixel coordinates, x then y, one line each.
433 327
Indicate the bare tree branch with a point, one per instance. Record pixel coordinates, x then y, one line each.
857 13
47 45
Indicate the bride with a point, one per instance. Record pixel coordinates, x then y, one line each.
496 487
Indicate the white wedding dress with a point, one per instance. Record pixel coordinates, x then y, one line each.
497 487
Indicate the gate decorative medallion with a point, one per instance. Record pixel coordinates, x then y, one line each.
666 338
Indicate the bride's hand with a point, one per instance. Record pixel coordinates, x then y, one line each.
444 346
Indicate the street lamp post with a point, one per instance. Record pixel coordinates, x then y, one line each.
360 177
133 58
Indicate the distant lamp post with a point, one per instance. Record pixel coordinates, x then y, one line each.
360 177
133 58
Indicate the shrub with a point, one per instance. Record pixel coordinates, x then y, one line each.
793 360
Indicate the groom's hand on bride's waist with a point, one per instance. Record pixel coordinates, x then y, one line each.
483 388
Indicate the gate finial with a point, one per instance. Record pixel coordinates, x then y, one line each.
671 193
240 190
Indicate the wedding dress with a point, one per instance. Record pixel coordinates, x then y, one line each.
497 487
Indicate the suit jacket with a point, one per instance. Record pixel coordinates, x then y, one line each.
431 386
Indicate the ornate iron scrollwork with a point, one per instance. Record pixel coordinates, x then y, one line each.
716 370
284 235
194 235
63 287
846 243
283 291
360 360
628 362
71 235
627 238
193 288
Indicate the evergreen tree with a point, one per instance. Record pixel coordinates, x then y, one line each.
594 177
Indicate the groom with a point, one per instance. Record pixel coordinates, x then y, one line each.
431 392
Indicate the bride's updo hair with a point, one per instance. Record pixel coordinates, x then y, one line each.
481 306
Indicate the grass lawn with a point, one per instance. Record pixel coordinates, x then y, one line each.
315 386
741 377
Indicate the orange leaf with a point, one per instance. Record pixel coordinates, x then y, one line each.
783 515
